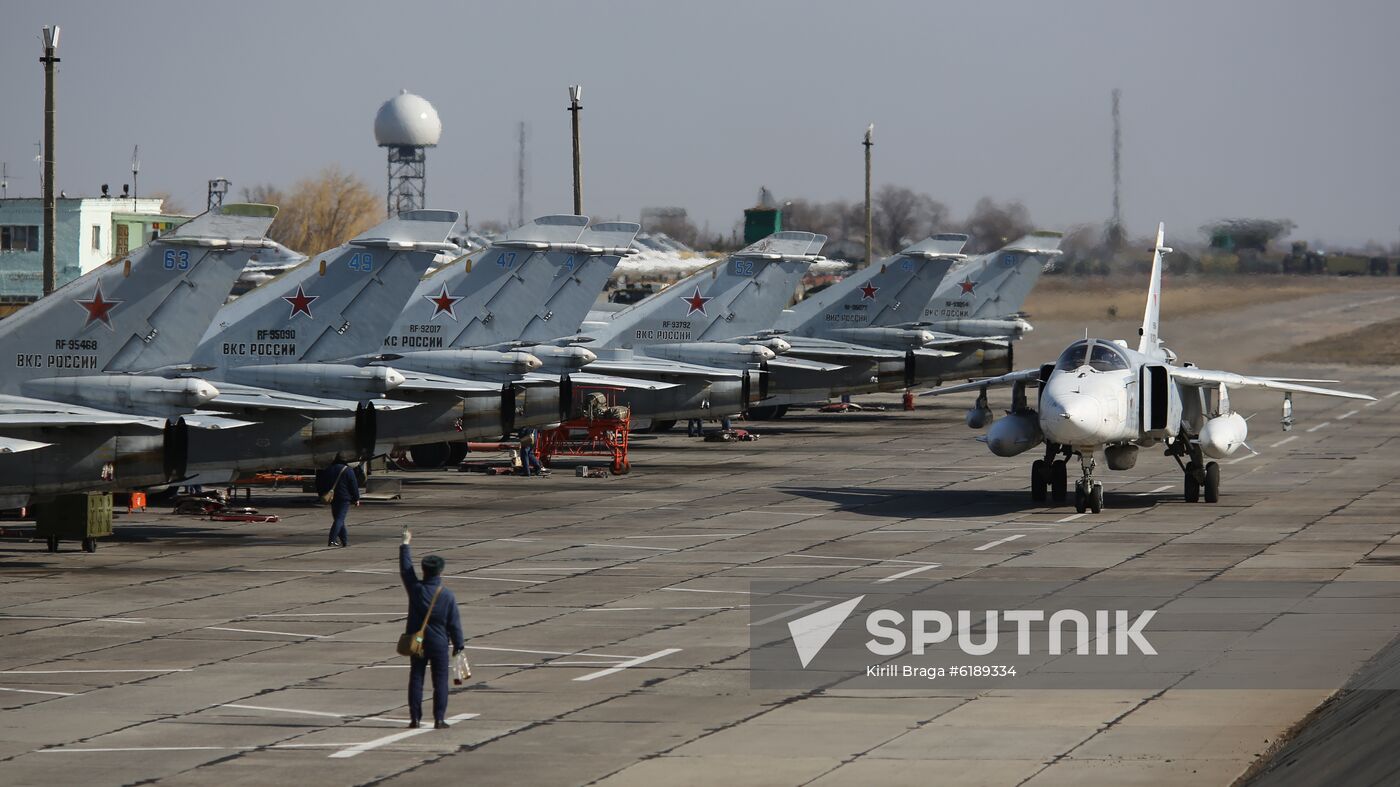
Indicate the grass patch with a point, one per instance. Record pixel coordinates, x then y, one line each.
1377 344
1124 297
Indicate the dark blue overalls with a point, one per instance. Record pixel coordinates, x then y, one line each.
442 637
341 477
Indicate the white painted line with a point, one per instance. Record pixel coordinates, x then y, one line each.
519 540
361 748
1321 425
787 614
1154 491
698 590
998 542
617 609
36 691
695 535
1285 441
548 652
76 671
542 569
1069 518
495 579
259 631
284 710
908 573
1347 415
1239 459
1392 394
146 748
328 615
629 546
57 617
862 559
287 570
629 663
1373 402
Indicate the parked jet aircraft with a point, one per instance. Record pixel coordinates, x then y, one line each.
983 295
1101 396
74 384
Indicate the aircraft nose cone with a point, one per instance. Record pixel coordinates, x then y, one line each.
1072 419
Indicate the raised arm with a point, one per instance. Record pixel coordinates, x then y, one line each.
410 579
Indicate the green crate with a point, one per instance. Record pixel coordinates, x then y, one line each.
80 517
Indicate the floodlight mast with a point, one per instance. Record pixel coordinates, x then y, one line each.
575 96
50 213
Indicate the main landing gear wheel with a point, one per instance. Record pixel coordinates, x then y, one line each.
53 543
1193 487
1096 498
1212 482
1081 500
1039 481
1059 480
89 544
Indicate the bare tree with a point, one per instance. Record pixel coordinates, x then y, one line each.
902 215
993 225
324 211
168 204
264 194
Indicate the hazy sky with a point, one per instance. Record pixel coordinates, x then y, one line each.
1271 109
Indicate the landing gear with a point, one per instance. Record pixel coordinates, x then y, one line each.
1039 481
1193 484
1199 479
1059 480
1212 482
1088 493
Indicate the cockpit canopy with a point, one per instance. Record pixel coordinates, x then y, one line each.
1102 356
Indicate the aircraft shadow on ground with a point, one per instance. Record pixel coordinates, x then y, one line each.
935 503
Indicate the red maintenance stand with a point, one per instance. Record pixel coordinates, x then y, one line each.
603 432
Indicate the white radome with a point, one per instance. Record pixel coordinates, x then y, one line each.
407 120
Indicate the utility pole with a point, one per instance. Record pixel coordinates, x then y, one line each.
135 168
520 179
1115 230
869 222
575 94
50 213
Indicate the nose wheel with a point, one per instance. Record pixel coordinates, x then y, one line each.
1088 493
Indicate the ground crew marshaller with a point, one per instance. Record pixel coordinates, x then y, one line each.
442 638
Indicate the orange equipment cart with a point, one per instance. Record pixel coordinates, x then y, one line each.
600 435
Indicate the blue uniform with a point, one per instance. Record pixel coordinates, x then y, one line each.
441 639
341 477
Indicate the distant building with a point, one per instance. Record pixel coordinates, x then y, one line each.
89 232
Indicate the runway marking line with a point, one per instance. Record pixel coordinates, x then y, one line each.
1347 415
260 631
1285 441
1239 459
37 691
694 535
1154 491
630 546
85 671
862 559
297 711
999 542
549 652
699 590
626 664
1320 426
908 573
787 613
1073 517
361 748
71 619
327 614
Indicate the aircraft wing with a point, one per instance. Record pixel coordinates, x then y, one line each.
783 362
642 365
831 348
14 445
233 396
424 381
1029 376
1209 379
94 418
201 419
967 342
610 381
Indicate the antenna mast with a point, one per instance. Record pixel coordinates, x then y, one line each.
135 168
1115 227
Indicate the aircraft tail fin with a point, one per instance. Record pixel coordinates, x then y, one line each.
994 285
137 312
887 293
1150 342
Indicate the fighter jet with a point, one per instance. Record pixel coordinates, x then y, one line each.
983 295
1103 397
75 387
277 352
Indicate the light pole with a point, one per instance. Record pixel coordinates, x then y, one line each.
575 94
50 44
869 223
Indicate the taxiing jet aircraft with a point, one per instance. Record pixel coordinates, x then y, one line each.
1102 397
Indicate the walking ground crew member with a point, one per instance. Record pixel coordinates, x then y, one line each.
338 486
444 628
